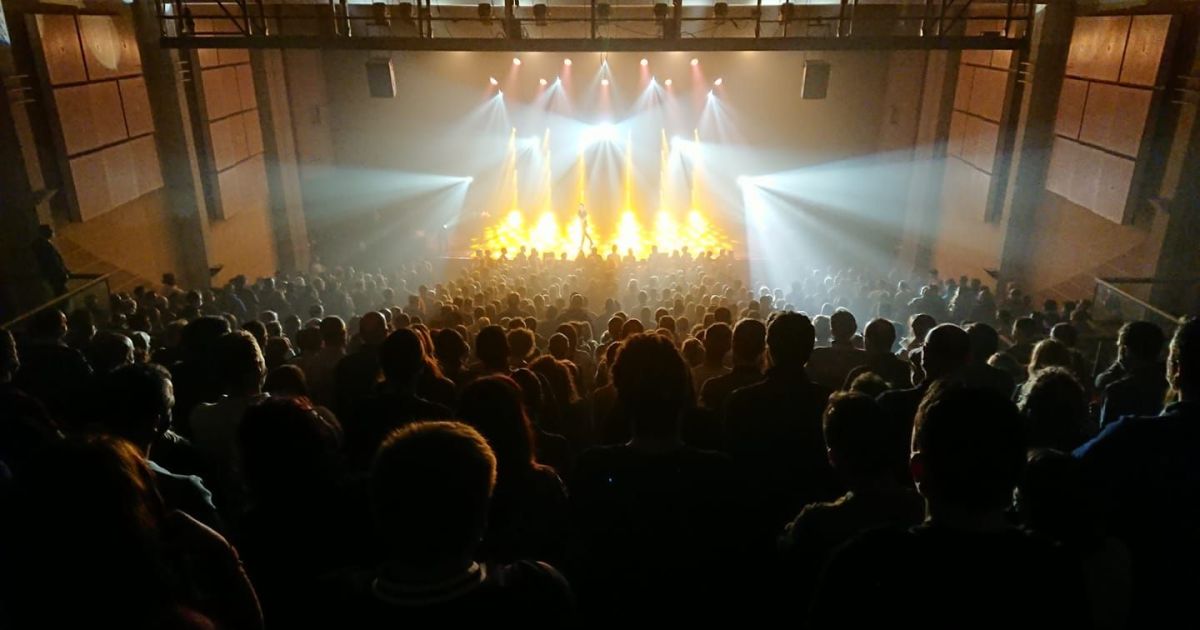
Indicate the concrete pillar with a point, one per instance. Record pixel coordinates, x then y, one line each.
279 154
176 147
21 288
1049 44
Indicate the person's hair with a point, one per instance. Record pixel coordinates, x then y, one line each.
402 357
372 328
1025 327
286 380
1055 408
491 346
858 433
842 324
970 446
870 384
984 340
50 323
559 346
333 331
693 352
531 393
821 327
718 339
87 508
790 339
520 343
947 348
309 340
493 405
258 330
653 384
1142 341
569 331
286 447
1184 359
879 335
199 336
277 352
749 340
239 361
10 360
561 378
632 326
430 487
1066 333
449 347
109 350
1049 353
920 325
135 402
723 315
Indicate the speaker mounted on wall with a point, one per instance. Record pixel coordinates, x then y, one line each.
816 79
381 79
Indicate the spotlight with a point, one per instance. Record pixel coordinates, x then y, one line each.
667 83
567 61
786 11
493 81
660 11
742 180
718 82
645 62
604 82
540 11
558 79
542 82
484 10
721 9
516 61
695 62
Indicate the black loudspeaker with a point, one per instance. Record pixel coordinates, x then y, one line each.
381 81
816 79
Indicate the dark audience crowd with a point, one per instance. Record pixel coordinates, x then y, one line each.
535 441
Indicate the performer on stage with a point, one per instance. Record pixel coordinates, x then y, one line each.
585 237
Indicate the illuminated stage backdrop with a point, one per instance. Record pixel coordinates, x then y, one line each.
633 209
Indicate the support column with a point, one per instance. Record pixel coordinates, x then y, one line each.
176 147
279 154
1050 42
21 288
1179 259
929 160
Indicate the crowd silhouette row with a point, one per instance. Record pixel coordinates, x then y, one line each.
558 443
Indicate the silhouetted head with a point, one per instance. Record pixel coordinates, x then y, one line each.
1183 361
879 336
790 338
1139 344
858 436
493 406
946 350
402 358
749 341
968 449
842 325
431 487
653 384
491 346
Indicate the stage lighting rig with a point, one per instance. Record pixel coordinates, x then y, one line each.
484 11
540 12
603 11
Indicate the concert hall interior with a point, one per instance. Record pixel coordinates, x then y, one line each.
582 313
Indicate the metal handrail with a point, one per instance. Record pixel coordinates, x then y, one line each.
102 279
1107 284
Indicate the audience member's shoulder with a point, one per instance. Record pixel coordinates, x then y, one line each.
531 579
